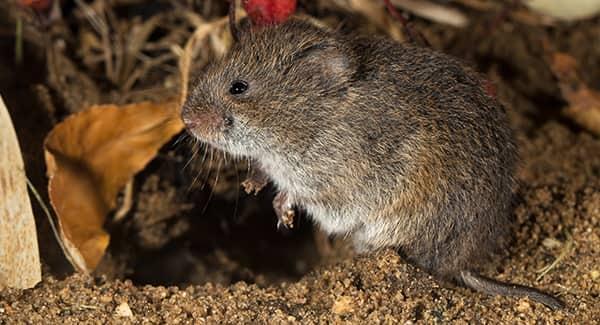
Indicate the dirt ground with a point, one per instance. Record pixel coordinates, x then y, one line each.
195 248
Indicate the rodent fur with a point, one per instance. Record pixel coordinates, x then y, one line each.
387 143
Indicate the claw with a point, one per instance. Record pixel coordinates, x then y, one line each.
287 219
255 182
284 210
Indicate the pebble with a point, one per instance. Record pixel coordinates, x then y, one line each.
342 305
123 310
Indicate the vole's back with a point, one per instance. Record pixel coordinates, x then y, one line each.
449 151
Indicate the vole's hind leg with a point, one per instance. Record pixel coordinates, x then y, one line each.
284 208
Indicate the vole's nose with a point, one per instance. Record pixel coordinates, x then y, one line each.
205 123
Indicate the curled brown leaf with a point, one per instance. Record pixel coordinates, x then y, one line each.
584 102
90 156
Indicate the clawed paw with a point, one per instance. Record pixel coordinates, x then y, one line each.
284 210
286 220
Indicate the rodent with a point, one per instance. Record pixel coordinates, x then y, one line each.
389 144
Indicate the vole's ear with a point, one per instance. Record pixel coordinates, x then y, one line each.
240 29
326 58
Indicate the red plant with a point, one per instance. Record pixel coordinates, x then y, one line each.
269 12
36 4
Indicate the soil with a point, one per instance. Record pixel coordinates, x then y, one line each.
195 248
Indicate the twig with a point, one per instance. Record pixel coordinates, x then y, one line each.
480 5
46 100
101 28
563 253
186 55
134 42
97 23
233 27
127 202
434 12
19 42
512 10
55 231
147 65
412 35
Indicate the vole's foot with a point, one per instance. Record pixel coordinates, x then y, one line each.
255 182
284 209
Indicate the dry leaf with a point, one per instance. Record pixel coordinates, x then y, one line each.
434 12
566 10
19 255
90 156
584 103
377 14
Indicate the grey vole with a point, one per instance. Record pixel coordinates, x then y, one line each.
391 144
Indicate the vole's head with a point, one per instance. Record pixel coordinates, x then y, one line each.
276 88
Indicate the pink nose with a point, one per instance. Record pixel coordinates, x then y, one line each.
204 122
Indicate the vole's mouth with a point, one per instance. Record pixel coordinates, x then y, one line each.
206 136
207 126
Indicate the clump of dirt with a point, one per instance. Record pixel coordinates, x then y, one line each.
196 248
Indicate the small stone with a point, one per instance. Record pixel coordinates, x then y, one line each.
595 274
523 306
106 299
123 310
342 306
551 243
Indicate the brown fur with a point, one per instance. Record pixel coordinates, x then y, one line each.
390 144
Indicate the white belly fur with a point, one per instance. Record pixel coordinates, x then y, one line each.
335 221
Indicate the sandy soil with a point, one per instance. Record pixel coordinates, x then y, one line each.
203 251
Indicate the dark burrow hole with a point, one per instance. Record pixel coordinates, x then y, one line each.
187 229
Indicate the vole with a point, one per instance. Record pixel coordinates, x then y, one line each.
389 144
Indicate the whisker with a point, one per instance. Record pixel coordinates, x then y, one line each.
212 151
237 192
195 149
193 183
212 188
200 146
183 136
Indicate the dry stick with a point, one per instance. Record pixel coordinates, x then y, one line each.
45 99
480 5
101 28
563 253
19 41
185 61
135 41
147 65
55 231
413 35
127 202
233 27
521 15
118 48
433 11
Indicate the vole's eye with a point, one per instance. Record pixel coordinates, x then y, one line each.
238 87
228 121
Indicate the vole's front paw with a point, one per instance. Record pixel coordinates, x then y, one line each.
255 182
284 209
